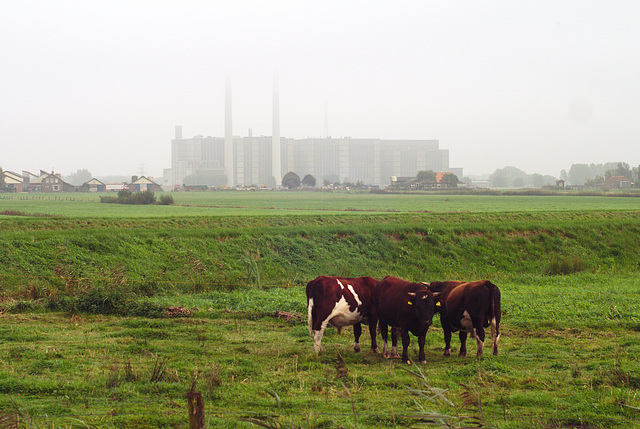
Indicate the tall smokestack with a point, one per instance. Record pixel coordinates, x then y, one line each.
275 142
228 133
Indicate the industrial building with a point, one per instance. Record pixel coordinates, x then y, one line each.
232 160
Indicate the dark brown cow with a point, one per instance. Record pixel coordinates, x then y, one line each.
468 307
405 305
341 301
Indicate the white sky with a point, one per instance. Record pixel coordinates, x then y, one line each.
538 85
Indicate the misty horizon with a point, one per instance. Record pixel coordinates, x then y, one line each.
101 86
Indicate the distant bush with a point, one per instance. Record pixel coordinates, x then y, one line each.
108 199
127 197
565 265
166 200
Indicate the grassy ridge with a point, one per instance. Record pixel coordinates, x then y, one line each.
55 257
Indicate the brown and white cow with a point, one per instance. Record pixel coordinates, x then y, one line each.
468 307
405 305
341 301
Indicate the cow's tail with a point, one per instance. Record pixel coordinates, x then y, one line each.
495 316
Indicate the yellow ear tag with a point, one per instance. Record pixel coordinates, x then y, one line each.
409 302
438 304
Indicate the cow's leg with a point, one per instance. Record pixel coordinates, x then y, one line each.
479 335
373 323
447 339
384 332
421 341
317 337
394 343
405 347
463 343
357 331
495 335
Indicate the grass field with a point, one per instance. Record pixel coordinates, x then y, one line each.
271 203
83 340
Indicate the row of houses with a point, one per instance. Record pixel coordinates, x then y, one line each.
53 182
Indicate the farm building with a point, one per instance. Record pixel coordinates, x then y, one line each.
143 184
53 183
13 181
46 182
618 182
96 185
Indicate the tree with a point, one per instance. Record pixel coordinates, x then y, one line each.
505 177
537 180
450 180
635 173
427 176
79 177
291 180
621 169
598 180
309 181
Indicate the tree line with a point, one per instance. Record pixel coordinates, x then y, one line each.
595 174
578 175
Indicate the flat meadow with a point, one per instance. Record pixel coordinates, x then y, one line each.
110 314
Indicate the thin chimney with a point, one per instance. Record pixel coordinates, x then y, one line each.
275 142
228 133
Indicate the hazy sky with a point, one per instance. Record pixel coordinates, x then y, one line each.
537 85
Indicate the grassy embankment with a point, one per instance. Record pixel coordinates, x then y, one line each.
80 336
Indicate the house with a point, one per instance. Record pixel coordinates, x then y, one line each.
413 182
96 185
404 182
53 183
617 182
142 184
13 181
33 182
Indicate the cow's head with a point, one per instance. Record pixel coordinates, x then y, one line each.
423 303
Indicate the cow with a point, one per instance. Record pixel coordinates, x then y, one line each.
407 306
468 307
341 301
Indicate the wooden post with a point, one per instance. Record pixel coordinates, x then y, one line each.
196 410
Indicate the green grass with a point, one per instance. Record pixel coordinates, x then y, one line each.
83 337
269 203
555 368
